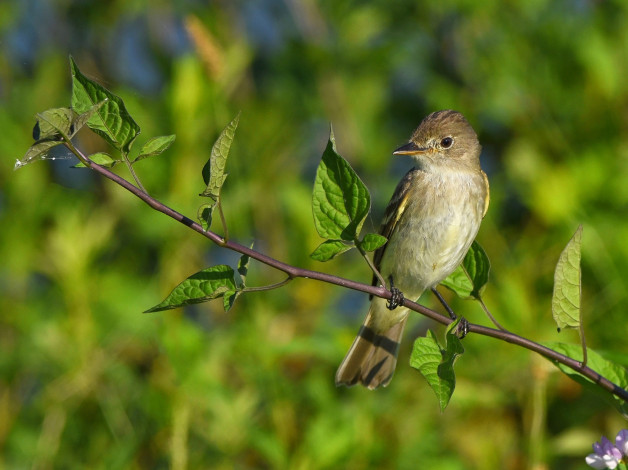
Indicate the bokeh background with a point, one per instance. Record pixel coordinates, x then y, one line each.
88 381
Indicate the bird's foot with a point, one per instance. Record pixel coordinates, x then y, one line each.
396 299
462 329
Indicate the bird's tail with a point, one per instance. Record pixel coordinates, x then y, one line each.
372 358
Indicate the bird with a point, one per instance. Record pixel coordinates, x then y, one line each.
430 222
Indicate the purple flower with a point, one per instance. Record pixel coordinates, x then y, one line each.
606 454
621 441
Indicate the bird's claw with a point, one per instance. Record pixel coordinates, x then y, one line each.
396 298
462 329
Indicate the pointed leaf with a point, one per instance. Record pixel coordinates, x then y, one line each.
469 279
372 241
426 357
204 215
229 298
243 269
214 170
101 158
82 119
608 369
111 120
436 364
53 123
460 283
155 146
567 285
37 151
330 249
340 201
205 285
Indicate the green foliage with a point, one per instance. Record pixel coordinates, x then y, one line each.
102 158
52 127
155 146
437 364
37 151
214 173
372 241
53 123
340 204
214 170
111 120
567 285
469 279
340 201
330 249
606 368
207 284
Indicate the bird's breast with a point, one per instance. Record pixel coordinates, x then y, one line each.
440 221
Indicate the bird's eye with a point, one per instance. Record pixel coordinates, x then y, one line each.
446 142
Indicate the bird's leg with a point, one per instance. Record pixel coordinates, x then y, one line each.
463 325
396 300
444 303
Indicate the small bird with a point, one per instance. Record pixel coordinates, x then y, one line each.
430 223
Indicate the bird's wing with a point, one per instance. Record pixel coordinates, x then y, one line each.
394 211
487 197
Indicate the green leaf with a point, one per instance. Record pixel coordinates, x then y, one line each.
53 123
37 151
205 285
102 158
111 120
229 298
155 146
340 201
436 364
460 283
329 249
204 215
610 370
243 269
469 279
567 285
214 170
372 241
82 119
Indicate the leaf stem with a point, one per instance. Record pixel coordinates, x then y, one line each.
378 275
268 287
478 297
132 171
225 230
584 345
488 313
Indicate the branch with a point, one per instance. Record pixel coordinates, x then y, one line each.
295 272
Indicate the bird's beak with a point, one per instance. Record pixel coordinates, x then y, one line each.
409 149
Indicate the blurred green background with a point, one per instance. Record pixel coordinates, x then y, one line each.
88 381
